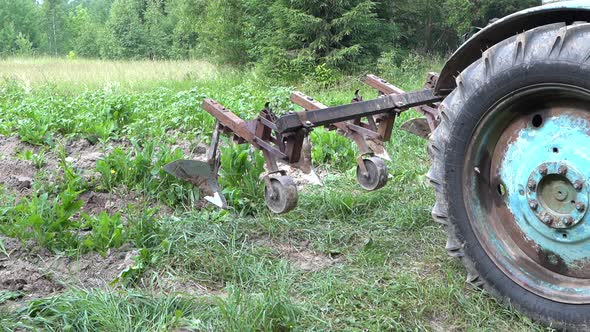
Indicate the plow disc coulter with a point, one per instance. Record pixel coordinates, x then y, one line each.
508 123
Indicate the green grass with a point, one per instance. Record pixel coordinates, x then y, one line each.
384 264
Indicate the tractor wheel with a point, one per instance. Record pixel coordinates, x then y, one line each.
511 170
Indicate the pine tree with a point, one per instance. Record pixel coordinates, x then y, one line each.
308 33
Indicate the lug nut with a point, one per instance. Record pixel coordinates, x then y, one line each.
532 185
579 185
543 170
563 170
534 205
548 219
580 206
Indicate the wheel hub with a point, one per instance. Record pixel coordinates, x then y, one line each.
556 195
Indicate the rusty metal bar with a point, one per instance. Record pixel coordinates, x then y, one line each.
307 102
229 119
326 116
382 85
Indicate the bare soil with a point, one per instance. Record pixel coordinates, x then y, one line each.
300 255
35 272
38 273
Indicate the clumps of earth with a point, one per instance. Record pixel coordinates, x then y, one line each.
31 272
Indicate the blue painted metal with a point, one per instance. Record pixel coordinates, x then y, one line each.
534 147
470 51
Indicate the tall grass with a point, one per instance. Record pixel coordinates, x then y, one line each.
35 72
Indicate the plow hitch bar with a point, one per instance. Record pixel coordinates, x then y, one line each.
368 124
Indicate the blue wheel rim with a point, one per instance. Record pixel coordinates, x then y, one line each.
527 181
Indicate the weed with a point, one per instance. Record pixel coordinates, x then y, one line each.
333 150
80 310
272 310
142 168
107 232
240 172
38 159
3 248
47 221
6 296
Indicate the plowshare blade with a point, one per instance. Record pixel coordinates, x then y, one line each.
313 178
379 150
383 155
418 127
217 199
189 170
192 171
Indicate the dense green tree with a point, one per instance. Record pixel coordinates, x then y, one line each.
221 31
185 14
127 32
84 32
489 9
158 29
291 37
19 24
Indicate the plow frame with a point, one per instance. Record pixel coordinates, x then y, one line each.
367 123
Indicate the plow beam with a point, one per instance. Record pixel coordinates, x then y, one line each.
363 109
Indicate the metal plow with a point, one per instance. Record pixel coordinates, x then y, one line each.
369 124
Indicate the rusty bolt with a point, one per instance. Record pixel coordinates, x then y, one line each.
543 170
532 185
563 170
534 205
579 185
568 221
580 206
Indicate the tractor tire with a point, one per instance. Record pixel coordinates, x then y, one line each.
511 171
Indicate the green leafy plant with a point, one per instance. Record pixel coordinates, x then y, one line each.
333 150
3 248
240 172
142 168
46 220
38 159
107 232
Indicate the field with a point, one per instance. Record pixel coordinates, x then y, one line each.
94 236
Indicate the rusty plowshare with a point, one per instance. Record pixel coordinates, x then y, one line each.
508 124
